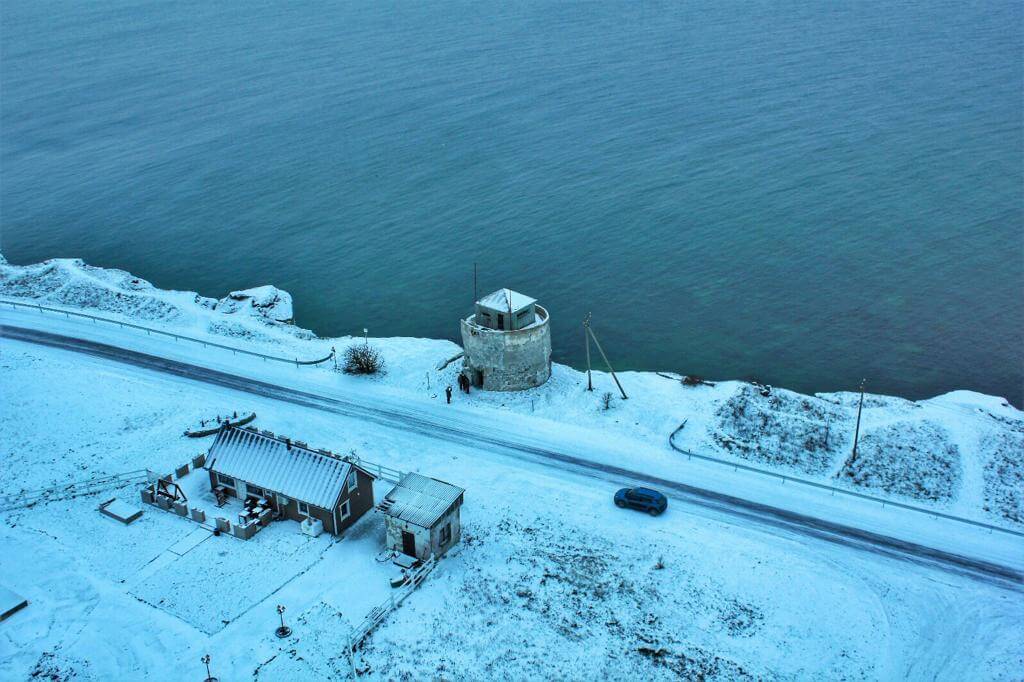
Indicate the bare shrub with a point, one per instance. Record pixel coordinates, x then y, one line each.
363 358
606 400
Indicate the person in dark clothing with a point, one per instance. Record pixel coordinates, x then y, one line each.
463 383
448 394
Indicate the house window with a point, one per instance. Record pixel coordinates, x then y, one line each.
254 491
352 481
446 534
226 480
344 510
303 508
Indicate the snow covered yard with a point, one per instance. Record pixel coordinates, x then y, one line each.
551 580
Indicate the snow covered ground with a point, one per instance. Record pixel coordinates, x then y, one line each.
954 453
551 580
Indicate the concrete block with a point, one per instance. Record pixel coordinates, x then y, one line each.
180 508
163 502
223 525
245 532
198 515
147 495
199 462
181 472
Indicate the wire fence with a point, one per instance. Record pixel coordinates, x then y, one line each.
377 614
837 491
177 337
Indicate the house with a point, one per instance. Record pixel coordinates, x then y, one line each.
297 482
421 515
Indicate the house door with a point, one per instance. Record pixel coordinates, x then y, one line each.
501 321
408 543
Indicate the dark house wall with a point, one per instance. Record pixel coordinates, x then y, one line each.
361 499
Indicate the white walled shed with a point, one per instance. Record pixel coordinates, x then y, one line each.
421 515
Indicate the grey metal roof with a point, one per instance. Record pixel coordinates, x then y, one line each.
504 300
267 462
420 500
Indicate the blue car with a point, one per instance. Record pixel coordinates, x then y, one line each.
641 499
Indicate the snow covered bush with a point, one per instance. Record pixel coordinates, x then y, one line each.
362 358
782 429
1003 452
905 458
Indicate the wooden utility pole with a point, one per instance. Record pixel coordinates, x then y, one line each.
856 433
605 357
586 342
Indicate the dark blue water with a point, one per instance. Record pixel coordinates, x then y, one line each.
804 193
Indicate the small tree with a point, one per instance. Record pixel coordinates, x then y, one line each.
606 400
362 358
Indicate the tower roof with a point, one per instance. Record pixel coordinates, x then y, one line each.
504 300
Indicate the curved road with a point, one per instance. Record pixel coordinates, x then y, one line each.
737 507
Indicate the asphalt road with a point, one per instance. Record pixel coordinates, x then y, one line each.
746 510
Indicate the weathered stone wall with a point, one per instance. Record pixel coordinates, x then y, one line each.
454 518
508 360
394 532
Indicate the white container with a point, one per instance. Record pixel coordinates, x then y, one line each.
312 527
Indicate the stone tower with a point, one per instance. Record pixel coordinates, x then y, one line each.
507 343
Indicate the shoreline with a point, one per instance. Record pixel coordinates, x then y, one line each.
10 272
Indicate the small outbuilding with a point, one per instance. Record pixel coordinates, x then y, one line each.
297 482
421 515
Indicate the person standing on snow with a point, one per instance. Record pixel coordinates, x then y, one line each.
448 394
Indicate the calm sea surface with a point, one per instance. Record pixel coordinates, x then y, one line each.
803 193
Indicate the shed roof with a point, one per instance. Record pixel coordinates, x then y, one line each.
269 462
504 300
421 500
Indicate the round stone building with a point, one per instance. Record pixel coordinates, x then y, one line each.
507 343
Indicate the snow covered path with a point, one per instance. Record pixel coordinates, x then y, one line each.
994 557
